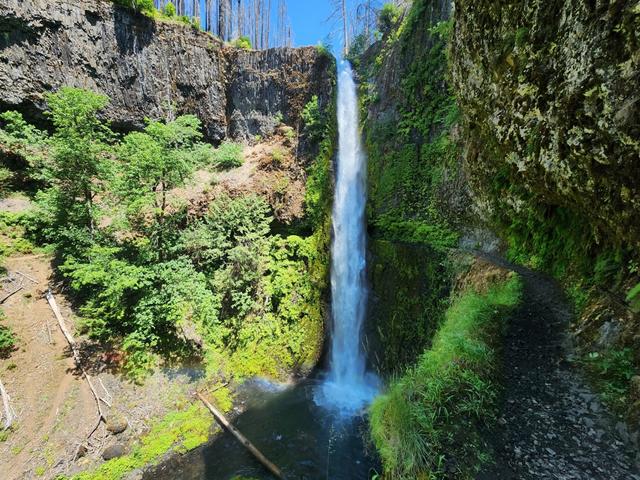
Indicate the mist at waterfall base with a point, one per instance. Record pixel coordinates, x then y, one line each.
316 429
348 387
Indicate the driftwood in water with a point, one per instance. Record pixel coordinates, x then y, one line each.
76 357
8 411
241 438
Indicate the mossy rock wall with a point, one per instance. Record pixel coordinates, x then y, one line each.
549 93
409 291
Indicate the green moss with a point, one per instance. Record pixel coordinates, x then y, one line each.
181 431
412 283
430 417
13 234
410 157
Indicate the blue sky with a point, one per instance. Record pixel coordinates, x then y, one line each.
309 21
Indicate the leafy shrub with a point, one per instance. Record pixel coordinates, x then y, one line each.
633 297
324 49
139 5
388 17
228 155
5 180
146 305
430 416
242 42
169 10
7 338
278 156
312 118
611 372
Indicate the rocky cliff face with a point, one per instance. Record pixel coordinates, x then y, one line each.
148 68
551 99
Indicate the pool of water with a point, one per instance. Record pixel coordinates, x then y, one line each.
304 440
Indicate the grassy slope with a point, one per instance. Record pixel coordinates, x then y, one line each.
429 421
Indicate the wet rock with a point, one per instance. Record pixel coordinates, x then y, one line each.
116 423
135 475
81 451
609 334
115 450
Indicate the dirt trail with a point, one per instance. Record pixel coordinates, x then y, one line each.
38 377
552 425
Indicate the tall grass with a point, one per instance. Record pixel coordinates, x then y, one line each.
428 423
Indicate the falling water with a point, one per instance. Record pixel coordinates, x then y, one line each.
348 386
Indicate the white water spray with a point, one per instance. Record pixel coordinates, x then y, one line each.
348 387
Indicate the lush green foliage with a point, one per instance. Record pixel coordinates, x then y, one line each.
561 242
20 140
430 417
243 42
388 16
320 127
169 10
410 157
611 371
140 5
152 164
7 338
79 151
228 155
156 278
147 273
314 123
13 228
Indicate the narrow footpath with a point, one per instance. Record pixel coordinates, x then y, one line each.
551 424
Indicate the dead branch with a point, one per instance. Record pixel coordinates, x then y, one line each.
108 402
241 438
46 320
31 279
10 294
8 411
76 357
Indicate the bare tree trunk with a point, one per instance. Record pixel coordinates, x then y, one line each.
224 7
256 22
239 19
344 26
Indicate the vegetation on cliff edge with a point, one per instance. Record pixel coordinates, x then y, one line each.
427 424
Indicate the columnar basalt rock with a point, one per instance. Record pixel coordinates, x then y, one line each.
151 68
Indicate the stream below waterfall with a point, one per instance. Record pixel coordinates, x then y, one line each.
304 440
316 429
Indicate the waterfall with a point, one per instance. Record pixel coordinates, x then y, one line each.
348 387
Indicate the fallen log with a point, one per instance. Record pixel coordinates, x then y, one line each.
76 357
8 411
241 438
